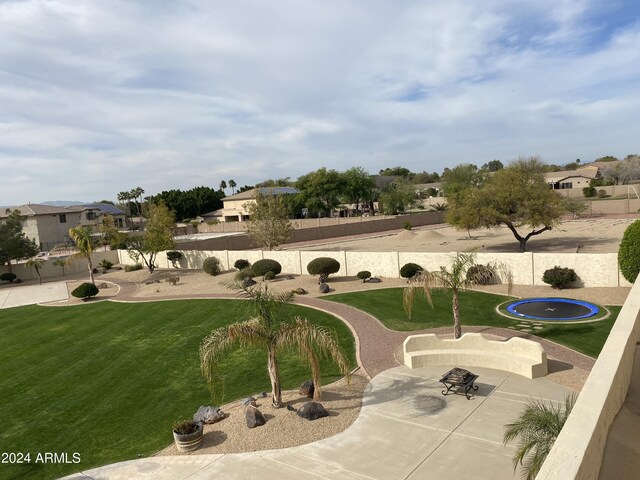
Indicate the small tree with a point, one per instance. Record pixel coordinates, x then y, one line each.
211 266
273 328
268 224
629 252
574 206
397 197
157 238
537 428
36 264
14 244
174 257
111 235
84 245
59 263
323 266
454 279
85 291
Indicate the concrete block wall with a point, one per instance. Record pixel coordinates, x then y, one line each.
594 272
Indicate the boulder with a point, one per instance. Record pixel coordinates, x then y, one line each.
300 291
208 415
312 411
253 417
263 394
102 286
324 288
307 389
374 280
249 401
248 282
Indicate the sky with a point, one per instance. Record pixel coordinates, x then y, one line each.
101 97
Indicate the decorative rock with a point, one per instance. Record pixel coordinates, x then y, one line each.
289 277
103 286
538 328
253 417
249 401
263 394
312 411
300 291
324 288
374 280
290 408
208 415
307 389
248 282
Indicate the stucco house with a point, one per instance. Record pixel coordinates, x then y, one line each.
49 225
579 178
234 210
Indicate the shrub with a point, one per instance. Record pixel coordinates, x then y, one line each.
133 268
323 266
602 193
211 265
185 427
244 273
629 252
85 290
363 275
589 192
407 225
241 264
410 270
212 222
559 277
261 267
174 257
481 275
269 275
8 277
106 264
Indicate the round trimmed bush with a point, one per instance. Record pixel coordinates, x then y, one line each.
244 273
261 267
241 264
481 275
410 270
323 266
363 275
174 256
629 252
211 265
133 268
8 277
559 277
85 290
269 275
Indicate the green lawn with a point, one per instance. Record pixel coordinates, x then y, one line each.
107 380
476 308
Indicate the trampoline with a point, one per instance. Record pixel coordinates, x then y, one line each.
552 309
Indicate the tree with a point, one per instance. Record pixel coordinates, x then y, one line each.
189 204
273 328
125 200
574 206
358 185
517 197
268 225
461 211
84 243
111 235
157 237
276 182
397 197
493 166
136 194
460 177
397 172
223 185
426 177
232 184
59 263
14 244
321 190
537 427
36 264
454 279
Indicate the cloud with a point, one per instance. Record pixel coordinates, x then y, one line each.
100 97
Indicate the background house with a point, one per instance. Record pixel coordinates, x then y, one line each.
234 210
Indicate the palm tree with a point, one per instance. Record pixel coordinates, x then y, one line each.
36 263
125 198
135 193
274 329
60 263
84 244
538 426
232 184
456 278
223 185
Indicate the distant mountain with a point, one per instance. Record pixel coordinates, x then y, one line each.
63 203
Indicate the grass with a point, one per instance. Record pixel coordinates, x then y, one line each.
477 309
107 380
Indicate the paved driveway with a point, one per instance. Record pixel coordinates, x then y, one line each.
406 430
30 294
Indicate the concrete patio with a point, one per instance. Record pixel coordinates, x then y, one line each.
21 295
406 430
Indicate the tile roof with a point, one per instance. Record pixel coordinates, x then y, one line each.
248 194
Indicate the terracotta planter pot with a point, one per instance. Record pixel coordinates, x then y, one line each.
190 441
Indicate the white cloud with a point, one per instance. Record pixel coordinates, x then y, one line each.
102 96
